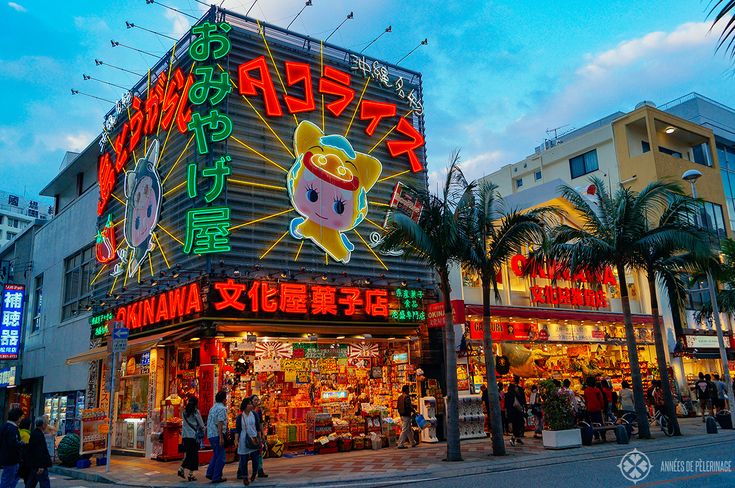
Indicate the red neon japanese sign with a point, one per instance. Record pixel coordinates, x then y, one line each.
552 270
174 304
255 80
300 299
162 107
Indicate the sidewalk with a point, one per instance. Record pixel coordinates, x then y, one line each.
392 464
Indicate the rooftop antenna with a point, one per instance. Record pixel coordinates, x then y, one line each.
115 44
349 16
307 4
149 2
422 43
130 25
87 78
99 62
77 92
387 29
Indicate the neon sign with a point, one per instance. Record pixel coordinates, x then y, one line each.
173 304
301 299
142 208
207 229
328 186
106 244
411 305
552 270
11 320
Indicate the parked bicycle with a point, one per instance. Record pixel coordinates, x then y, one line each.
631 419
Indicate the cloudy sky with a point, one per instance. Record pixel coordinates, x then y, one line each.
496 74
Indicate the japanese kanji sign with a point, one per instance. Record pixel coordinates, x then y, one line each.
11 320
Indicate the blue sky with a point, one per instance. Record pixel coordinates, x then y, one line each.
496 74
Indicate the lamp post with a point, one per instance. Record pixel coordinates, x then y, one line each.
691 176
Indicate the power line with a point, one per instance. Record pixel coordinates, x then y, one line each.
87 77
99 62
130 25
77 92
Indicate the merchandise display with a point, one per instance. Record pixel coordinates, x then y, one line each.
471 417
427 407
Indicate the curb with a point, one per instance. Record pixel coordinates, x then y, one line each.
80 474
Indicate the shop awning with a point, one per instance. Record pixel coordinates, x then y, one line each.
134 345
557 313
376 330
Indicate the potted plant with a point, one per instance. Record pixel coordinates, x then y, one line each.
560 430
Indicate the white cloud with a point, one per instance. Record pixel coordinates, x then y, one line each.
17 7
179 23
656 66
91 24
30 68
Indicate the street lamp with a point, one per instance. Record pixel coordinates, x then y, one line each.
691 176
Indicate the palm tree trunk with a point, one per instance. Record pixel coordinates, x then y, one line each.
454 450
663 368
644 432
496 421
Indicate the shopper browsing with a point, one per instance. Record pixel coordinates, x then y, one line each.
406 411
626 398
248 446
192 433
595 402
216 428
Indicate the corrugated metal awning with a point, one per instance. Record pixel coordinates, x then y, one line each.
134 345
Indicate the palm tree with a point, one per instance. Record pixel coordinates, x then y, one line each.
612 229
437 240
668 248
725 10
495 234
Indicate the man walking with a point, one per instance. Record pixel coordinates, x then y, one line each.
38 459
216 428
721 394
702 389
406 411
10 449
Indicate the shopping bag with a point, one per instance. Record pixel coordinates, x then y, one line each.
421 421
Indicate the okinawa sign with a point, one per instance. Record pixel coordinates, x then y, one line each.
232 298
252 145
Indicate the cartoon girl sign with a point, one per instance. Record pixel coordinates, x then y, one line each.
328 185
142 208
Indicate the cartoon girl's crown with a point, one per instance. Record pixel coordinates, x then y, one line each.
331 169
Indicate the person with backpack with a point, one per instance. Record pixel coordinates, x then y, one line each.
10 446
192 434
406 411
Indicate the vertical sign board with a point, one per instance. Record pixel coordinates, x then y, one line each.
11 320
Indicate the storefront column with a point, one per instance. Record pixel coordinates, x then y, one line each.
209 378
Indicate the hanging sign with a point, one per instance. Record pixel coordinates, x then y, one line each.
11 320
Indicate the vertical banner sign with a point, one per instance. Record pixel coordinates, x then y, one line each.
208 228
13 299
207 387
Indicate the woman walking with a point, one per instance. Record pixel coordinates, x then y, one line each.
192 433
515 404
248 446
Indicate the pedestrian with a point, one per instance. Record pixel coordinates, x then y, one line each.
658 397
24 430
535 401
38 459
567 390
515 401
721 394
503 413
594 401
626 398
262 432
609 401
486 407
712 393
10 446
192 433
216 429
248 446
405 410
701 387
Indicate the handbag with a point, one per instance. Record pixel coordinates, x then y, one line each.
198 430
252 442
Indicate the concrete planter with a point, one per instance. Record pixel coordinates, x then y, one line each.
562 439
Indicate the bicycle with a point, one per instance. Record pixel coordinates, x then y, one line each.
667 426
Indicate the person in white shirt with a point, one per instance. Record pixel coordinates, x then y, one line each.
216 428
248 446
626 398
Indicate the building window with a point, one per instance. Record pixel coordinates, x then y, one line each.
37 303
713 217
645 146
537 175
15 223
701 155
519 182
670 152
583 164
11 235
698 295
80 183
78 270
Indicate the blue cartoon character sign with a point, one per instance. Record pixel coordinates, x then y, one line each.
328 186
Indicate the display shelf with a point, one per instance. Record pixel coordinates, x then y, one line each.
471 418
